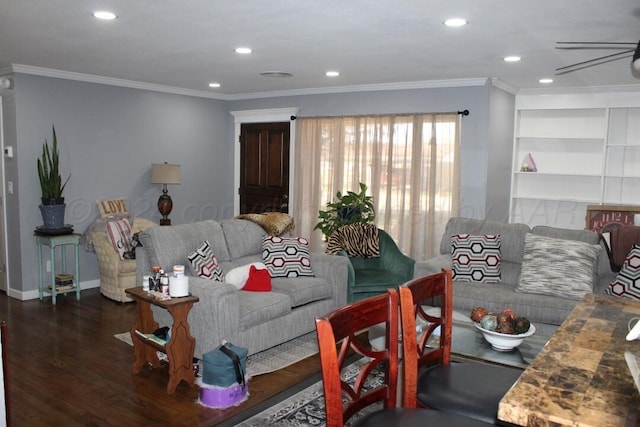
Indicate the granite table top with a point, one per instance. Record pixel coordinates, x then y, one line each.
580 378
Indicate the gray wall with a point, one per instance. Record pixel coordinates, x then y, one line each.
109 136
475 127
501 115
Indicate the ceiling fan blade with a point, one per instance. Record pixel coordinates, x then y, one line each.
602 43
591 47
591 63
613 55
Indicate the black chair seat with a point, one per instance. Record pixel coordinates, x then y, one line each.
405 417
471 390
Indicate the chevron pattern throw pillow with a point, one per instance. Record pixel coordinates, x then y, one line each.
627 283
204 264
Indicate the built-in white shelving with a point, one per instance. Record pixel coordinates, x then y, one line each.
583 156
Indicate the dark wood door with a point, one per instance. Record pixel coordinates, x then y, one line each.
264 167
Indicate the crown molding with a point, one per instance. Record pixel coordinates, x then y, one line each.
580 90
91 78
507 87
427 84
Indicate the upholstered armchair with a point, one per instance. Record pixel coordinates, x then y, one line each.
369 276
116 274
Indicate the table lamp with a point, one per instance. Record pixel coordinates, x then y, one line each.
164 173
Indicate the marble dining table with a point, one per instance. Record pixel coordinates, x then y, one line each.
581 377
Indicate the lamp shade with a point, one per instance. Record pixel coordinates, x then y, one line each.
164 173
636 58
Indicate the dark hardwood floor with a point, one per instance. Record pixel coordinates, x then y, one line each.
67 369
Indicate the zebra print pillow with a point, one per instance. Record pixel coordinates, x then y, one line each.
357 240
476 258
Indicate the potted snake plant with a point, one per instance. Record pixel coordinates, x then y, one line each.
51 185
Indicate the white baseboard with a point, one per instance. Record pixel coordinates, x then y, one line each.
34 294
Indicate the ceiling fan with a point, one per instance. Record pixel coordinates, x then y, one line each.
626 50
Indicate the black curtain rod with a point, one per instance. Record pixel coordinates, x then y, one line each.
462 113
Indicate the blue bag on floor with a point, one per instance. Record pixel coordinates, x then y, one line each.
225 365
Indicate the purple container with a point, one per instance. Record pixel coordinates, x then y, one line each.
222 397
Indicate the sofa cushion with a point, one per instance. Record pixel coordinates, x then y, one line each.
559 267
627 283
303 290
498 296
475 258
168 246
127 266
377 277
257 308
286 256
204 264
243 237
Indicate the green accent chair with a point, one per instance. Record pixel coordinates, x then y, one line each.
372 276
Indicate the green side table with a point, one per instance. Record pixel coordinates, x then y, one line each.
52 242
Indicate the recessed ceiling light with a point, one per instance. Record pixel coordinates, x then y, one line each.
103 14
332 73
455 22
545 81
512 58
214 84
243 50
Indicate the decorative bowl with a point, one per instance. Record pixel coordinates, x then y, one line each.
504 342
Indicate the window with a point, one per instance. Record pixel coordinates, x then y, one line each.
409 163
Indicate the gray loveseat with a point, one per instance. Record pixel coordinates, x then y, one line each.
255 320
547 312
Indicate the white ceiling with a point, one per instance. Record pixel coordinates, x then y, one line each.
187 44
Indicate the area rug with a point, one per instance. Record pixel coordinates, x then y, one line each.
273 359
306 408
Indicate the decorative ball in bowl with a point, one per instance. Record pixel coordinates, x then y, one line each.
505 342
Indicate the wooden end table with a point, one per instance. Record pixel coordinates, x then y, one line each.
181 345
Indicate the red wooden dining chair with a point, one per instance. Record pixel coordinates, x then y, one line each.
343 327
469 389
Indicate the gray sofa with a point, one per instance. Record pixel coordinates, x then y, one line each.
545 311
255 320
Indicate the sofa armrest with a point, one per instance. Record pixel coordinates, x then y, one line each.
392 259
432 266
215 317
142 264
334 269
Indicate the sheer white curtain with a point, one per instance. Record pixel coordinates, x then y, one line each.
409 162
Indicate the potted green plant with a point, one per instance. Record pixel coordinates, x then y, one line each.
51 185
348 208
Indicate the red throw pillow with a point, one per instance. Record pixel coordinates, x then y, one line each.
258 281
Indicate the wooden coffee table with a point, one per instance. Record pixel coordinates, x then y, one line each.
181 346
